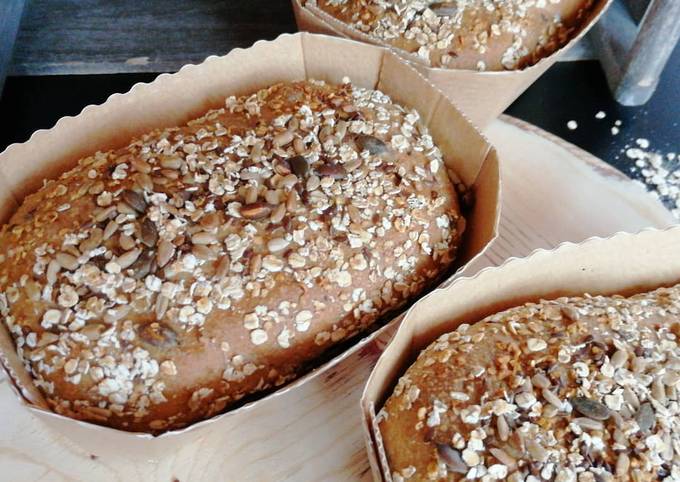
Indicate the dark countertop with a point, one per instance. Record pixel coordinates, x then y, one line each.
568 91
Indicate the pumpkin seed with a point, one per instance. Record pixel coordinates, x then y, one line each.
299 165
373 145
149 233
134 200
452 458
142 266
444 9
158 335
645 417
590 408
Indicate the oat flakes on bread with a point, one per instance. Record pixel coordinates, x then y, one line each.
466 34
157 284
575 389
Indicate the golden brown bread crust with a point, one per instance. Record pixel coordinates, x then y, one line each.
153 286
573 389
467 34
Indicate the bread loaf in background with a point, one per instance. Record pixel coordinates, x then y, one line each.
581 388
156 285
481 35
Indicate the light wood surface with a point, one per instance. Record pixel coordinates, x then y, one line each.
552 191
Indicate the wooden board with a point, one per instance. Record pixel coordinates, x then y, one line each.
553 192
101 36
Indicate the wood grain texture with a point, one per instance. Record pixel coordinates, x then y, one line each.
314 433
10 16
634 56
104 36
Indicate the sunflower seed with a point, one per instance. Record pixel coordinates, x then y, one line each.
126 242
103 214
352 165
619 358
588 423
452 458
289 181
92 241
551 398
622 465
203 237
222 267
144 181
110 229
203 252
67 261
162 303
373 145
210 221
536 451
140 165
171 162
292 201
166 250
503 457
142 266
277 244
443 9
313 182
332 170
126 259
149 233
282 167
502 428
134 200
158 335
257 210
251 194
299 165
283 138
645 417
590 408
53 268
278 214
299 146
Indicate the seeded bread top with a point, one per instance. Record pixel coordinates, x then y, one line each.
573 388
466 34
156 284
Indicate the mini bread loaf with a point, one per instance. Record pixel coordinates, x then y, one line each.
155 285
466 34
573 389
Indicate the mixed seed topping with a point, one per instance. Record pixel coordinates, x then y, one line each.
470 34
573 389
175 272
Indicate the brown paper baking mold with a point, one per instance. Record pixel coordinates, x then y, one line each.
482 96
172 99
621 264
